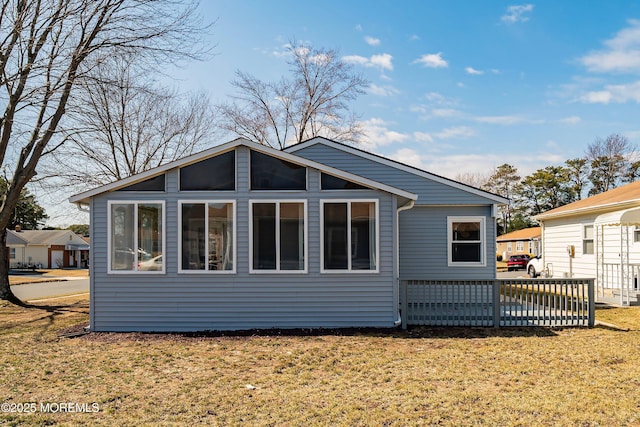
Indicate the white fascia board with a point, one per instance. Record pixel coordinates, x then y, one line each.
397 165
588 210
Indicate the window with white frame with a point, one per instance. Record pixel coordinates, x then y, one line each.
587 240
509 246
278 236
636 234
519 246
207 236
136 237
466 237
350 235
12 253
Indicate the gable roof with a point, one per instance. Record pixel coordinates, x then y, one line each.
618 198
41 237
524 234
397 165
83 198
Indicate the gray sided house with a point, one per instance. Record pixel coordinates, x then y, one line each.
242 236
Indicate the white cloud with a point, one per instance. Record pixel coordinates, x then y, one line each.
422 137
517 13
455 132
377 133
501 120
358 27
473 71
372 41
382 61
432 60
614 93
414 37
621 53
445 112
571 120
382 90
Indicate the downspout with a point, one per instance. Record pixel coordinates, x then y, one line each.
406 207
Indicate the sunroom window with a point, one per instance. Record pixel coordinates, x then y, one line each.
270 173
207 236
278 236
349 236
214 174
136 241
466 241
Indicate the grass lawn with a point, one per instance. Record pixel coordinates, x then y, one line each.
427 376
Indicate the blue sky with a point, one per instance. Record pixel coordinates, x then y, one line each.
456 86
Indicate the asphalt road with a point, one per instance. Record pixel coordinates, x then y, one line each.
33 291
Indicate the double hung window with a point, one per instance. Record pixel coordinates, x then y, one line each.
350 236
587 240
278 236
466 241
136 236
207 236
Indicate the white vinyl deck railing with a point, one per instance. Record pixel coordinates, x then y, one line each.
501 302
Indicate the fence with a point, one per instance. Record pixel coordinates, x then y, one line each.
502 302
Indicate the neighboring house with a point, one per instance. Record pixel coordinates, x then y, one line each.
525 241
244 236
597 237
46 249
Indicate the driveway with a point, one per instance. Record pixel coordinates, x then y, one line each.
33 291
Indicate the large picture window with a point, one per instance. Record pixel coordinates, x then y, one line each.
207 236
350 236
136 237
278 236
466 241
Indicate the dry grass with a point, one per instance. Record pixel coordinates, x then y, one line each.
526 377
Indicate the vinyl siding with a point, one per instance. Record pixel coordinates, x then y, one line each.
558 234
424 244
429 191
192 302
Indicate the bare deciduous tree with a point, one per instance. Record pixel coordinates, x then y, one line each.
126 124
609 161
313 101
46 49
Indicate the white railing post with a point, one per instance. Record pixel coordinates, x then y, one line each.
496 303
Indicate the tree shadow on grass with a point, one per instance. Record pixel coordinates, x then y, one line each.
24 314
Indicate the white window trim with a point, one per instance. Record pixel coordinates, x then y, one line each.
519 246
483 241
306 237
135 236
206 226
377 230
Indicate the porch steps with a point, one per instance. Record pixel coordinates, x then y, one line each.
613 297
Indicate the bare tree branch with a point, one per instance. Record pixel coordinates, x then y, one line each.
49 48
313 101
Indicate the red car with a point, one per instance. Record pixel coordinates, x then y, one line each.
517 262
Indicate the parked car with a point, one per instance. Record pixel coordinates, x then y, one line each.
517 262
535 267
153 264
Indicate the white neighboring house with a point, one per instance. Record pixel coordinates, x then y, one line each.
46 249
597 237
